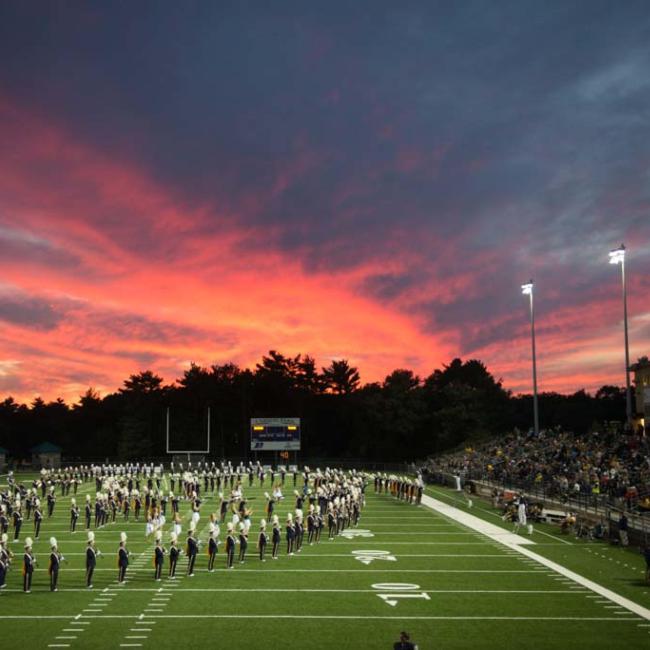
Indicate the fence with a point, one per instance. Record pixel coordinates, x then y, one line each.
593 506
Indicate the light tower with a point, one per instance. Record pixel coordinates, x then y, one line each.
617 256
527 290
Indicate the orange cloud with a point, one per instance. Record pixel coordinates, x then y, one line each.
140 261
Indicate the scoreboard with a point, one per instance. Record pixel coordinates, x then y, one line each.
275 434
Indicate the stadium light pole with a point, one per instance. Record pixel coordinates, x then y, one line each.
617 256
527 290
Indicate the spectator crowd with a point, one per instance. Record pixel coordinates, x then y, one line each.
613 465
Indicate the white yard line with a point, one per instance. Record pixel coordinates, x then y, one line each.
347 617
374 591
270 572
517 544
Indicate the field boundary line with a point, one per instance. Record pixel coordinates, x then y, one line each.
475 523
335 617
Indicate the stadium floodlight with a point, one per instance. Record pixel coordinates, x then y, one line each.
527 290
617 256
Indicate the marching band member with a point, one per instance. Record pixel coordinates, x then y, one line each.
4 521
299 530
291 533
113 505
55 561
18 520
28 566
212 546
276 537
98 508
51 501
159 557
341 515
318 524
311 525
230 546
246 513
148 529
262 540
174 552
91 559
270 505
243 542
191 550
331 521
126 506
177 524
5 560
196 509
74 514
38 518
88 511
29 502
137 505
223 507
122 559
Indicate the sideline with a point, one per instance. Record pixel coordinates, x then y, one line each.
333 617
494 514
475 523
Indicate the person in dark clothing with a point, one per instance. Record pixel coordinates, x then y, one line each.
51 501
91 559
291 533
174 552
243 543
262 540
192 551
122 559
212 549
231 541
18 522
74 514
159 557
28 566
404 643
275 537
55 562
38 518
88 511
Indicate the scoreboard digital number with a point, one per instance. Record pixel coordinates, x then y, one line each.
275 434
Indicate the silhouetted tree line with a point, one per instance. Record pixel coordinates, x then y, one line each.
402 418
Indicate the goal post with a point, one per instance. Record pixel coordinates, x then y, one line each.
188 452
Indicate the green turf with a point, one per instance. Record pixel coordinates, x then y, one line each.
480 594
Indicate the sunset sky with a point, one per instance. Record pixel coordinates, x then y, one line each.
205 181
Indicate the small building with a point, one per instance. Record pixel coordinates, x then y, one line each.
46 455
3 459
641 370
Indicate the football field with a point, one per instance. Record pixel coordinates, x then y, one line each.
404 567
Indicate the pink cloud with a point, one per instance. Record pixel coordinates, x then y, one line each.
251 299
